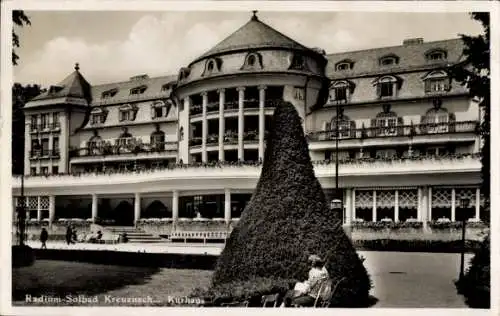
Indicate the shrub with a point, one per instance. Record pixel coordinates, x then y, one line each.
286 220
475 285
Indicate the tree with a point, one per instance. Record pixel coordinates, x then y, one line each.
20 95
19 19
286 220
474 73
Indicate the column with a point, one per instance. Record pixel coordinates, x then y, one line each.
374 209
95 207
262 128
222 127
241 122
204 127
52 208
227 205
175 205
137 207
419 206
353 204
424 205
396 206
429 203
39 211
348 206
453 204
478 205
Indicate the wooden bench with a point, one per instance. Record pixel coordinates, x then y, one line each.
199 236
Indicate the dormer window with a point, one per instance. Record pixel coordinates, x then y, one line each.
166 87
184 73
387 86
341 91
253 61
138 90
128 112
343 65
98 116
298 62
437 82
212 66
436 55
160 109
389 60
109 94
55 89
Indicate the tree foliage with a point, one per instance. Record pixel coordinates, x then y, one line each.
20 95
20 19
286 220
474 73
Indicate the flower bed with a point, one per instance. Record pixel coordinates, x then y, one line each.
202 224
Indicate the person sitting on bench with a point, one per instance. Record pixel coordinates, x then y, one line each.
305 293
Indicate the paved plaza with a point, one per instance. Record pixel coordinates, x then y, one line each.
400 279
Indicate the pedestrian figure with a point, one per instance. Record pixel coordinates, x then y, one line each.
44 235
69 235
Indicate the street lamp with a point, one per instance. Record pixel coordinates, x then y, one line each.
337 198
464 204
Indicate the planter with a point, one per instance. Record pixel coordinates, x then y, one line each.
201 225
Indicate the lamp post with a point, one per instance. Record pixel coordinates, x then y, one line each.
337 198
464 203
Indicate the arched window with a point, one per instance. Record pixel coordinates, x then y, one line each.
212 66
340 91
436 120
157 139
387 86
298 62
128 112
98 116
386 122
437 81
253 60
346 126
345 64
95 144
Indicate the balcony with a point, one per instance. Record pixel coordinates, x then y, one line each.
405 130
45 154
45 128
202 176
123 146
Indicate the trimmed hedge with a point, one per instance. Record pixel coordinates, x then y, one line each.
286 220
475 286
422 245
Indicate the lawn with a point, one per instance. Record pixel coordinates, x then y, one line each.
400 280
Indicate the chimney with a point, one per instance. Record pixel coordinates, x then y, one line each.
413 41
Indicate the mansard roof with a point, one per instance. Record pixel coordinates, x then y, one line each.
411 57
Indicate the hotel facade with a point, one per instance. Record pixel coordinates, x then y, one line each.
183 153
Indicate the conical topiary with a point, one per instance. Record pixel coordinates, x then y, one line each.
286 220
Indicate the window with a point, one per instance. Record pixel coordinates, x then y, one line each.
436 121
138 90
128 112
210 66
158 112
44 121
35 146
340 91
55 119
97 119
251 60
158 139
98 116
55 169
165 87
389 60
437 82
436 55
386 89
45 171
34 122
109 94
387 86
386 122
33 171
160 109
345 125
298 62
340 94
45 146
343 65
55 144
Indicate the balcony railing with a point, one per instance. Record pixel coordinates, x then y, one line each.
38 154
49 127
405 130
233 105
123 146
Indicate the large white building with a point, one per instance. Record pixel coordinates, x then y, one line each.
153 152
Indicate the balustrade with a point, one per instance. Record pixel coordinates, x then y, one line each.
49 127
47 153
124 145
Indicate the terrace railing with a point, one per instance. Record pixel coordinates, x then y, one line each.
122 146
403 130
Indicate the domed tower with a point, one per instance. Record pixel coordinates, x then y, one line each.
227 95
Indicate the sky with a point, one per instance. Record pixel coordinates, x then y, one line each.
116 45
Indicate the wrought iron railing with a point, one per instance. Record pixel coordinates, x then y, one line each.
121 147
404 130
47 153
45 127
